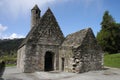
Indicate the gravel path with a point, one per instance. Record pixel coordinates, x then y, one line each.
12 73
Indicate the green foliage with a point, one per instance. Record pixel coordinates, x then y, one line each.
112 60
9 47
107 20
8 50
109 35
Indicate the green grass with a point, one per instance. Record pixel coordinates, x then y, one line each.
10 65
9 60
112 60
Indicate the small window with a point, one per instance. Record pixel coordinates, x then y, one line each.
36 12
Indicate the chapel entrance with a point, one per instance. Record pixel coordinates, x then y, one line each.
49 63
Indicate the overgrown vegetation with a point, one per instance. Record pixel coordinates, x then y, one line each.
109 35
112 60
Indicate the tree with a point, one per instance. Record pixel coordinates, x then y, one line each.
109 35
107 20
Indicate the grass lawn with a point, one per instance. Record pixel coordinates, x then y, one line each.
9 60
112 60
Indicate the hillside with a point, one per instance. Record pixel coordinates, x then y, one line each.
9 46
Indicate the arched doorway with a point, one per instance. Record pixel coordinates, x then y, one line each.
49 61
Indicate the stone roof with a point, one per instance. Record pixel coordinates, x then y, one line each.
35 7
75 39
37 31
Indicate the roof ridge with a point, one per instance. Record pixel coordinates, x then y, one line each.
72 40
79 31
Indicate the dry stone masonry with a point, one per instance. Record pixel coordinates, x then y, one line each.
46 49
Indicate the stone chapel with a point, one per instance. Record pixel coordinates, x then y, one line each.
46 49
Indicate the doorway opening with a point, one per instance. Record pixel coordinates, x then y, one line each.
63 60
49 61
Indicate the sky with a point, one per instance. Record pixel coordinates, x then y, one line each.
71 15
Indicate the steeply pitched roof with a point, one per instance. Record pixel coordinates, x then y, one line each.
47 20
75 39
35 7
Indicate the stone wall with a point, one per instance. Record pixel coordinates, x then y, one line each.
40 54
81 53
88 56
21 57
66 53
34 58
78 52
45 36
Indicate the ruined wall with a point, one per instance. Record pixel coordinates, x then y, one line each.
88 56
81 53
